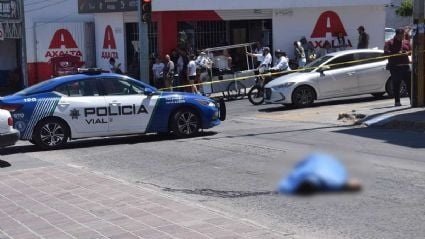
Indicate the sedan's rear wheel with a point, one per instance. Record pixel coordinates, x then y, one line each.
186 123
51 134
303 96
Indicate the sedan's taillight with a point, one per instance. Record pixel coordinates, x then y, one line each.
10 108
10 121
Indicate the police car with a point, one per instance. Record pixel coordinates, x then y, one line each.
96 104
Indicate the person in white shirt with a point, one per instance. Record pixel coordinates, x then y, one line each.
191 73
267 59
158 76
223 61
258 50
282 63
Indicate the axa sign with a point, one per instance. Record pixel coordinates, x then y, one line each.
109 44
328 23
62 44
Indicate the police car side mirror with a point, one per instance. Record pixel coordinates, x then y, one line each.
148 91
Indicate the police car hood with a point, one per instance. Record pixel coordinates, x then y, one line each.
293 77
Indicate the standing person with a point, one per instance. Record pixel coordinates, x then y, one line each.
182 63
308 49
115 68
191 73
259 51
282 63
267 59
204 65
158 73
341 41
299 54
363 38
399 63
174 58
168 72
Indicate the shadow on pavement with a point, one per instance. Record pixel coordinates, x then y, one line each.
393 110
97 142
396 137
4 164
319 104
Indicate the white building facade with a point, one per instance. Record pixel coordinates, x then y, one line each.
205 24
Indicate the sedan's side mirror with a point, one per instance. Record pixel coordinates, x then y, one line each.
148 91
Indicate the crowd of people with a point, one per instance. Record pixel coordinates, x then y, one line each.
183 68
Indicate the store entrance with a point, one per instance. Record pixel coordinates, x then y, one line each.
10 66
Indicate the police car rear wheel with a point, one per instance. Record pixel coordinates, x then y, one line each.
185 123
51 134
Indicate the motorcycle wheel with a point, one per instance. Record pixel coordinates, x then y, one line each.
256 95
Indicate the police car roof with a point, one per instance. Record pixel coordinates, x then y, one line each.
54 82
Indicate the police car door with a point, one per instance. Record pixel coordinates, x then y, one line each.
128 108
83 108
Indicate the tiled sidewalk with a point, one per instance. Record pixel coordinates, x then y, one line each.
64 202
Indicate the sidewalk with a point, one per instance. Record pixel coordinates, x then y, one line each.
65 202
390 117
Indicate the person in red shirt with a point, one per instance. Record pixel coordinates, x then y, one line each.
399 50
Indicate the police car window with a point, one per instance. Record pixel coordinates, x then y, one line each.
114 86
79 88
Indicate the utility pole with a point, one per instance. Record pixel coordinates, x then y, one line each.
418 71
144 45
24 66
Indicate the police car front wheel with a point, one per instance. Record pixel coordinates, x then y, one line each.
50 134
185 123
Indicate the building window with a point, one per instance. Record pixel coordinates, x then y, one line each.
202 34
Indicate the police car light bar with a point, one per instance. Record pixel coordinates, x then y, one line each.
90 71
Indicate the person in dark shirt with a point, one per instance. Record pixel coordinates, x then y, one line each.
399 49
363 38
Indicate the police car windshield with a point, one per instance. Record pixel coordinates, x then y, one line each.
32 89
316 63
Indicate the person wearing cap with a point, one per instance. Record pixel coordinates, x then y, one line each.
399 50
363 38
267 59
282 63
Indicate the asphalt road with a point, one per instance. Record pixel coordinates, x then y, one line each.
236 167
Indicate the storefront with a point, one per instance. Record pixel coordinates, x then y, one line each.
201 24
318 21
11 46
59 40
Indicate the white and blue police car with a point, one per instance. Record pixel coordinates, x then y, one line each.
96 104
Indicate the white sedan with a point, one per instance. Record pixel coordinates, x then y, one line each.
8 135
338 74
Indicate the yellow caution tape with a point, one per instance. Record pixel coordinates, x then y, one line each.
282 72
